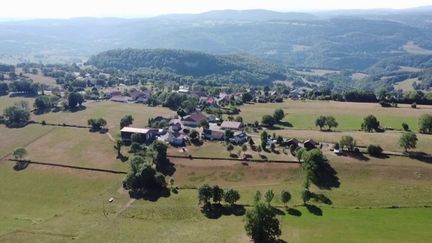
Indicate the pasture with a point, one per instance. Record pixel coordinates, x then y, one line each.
52 204
302 114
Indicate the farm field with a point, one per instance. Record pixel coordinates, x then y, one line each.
51 204
302 114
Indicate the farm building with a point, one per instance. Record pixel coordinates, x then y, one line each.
231 125
149 133
194 119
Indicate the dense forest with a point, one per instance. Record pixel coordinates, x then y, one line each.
172 64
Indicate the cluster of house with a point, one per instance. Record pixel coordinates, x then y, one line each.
204 98
178 130
132 97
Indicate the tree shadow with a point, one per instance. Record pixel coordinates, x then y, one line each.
326 177
277 211
380 156
151 195
294 212
314 209
286 124
357 156
168 168
123 158
321 198
21 165
77 109
421 156
217 210
38 112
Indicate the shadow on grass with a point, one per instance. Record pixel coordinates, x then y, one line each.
421 156
314 209
285 124
77 109
294 212
326 177
217 210
167 169
152 195
21 165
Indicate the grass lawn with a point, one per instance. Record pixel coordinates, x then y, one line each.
112 112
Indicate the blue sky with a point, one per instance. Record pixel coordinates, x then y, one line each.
139 8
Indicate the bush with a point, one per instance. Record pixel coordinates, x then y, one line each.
43 123
414 105
374 150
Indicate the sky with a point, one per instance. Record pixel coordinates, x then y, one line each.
142 8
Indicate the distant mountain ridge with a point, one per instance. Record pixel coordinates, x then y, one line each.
338 41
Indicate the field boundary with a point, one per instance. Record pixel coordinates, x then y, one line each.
69 166
191 157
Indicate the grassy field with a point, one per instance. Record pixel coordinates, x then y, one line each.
39 78
302 114
406 85
52 204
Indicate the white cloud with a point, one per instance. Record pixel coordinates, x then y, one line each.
124 8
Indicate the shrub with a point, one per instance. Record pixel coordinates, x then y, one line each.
374 150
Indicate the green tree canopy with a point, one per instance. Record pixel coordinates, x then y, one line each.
408 140
262 224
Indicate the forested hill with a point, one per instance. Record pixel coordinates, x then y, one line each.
227 68
337 41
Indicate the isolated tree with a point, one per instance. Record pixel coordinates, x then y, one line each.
16 116
370 123
126 121
239 119
244 148
205 194
278 115
75 99
425 124
374 150
204 124
19 153
218 194
408 140
311 164
269 195
262 224
97 123
231 196
331 122
194 136
306 195
268 120
230 148
257 196
348 142
181 113
320 122
117 146
264 138
228 135
405 127
285 197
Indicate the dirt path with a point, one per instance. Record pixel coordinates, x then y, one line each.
110 136
126 206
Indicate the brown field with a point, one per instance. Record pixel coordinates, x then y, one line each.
39 78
